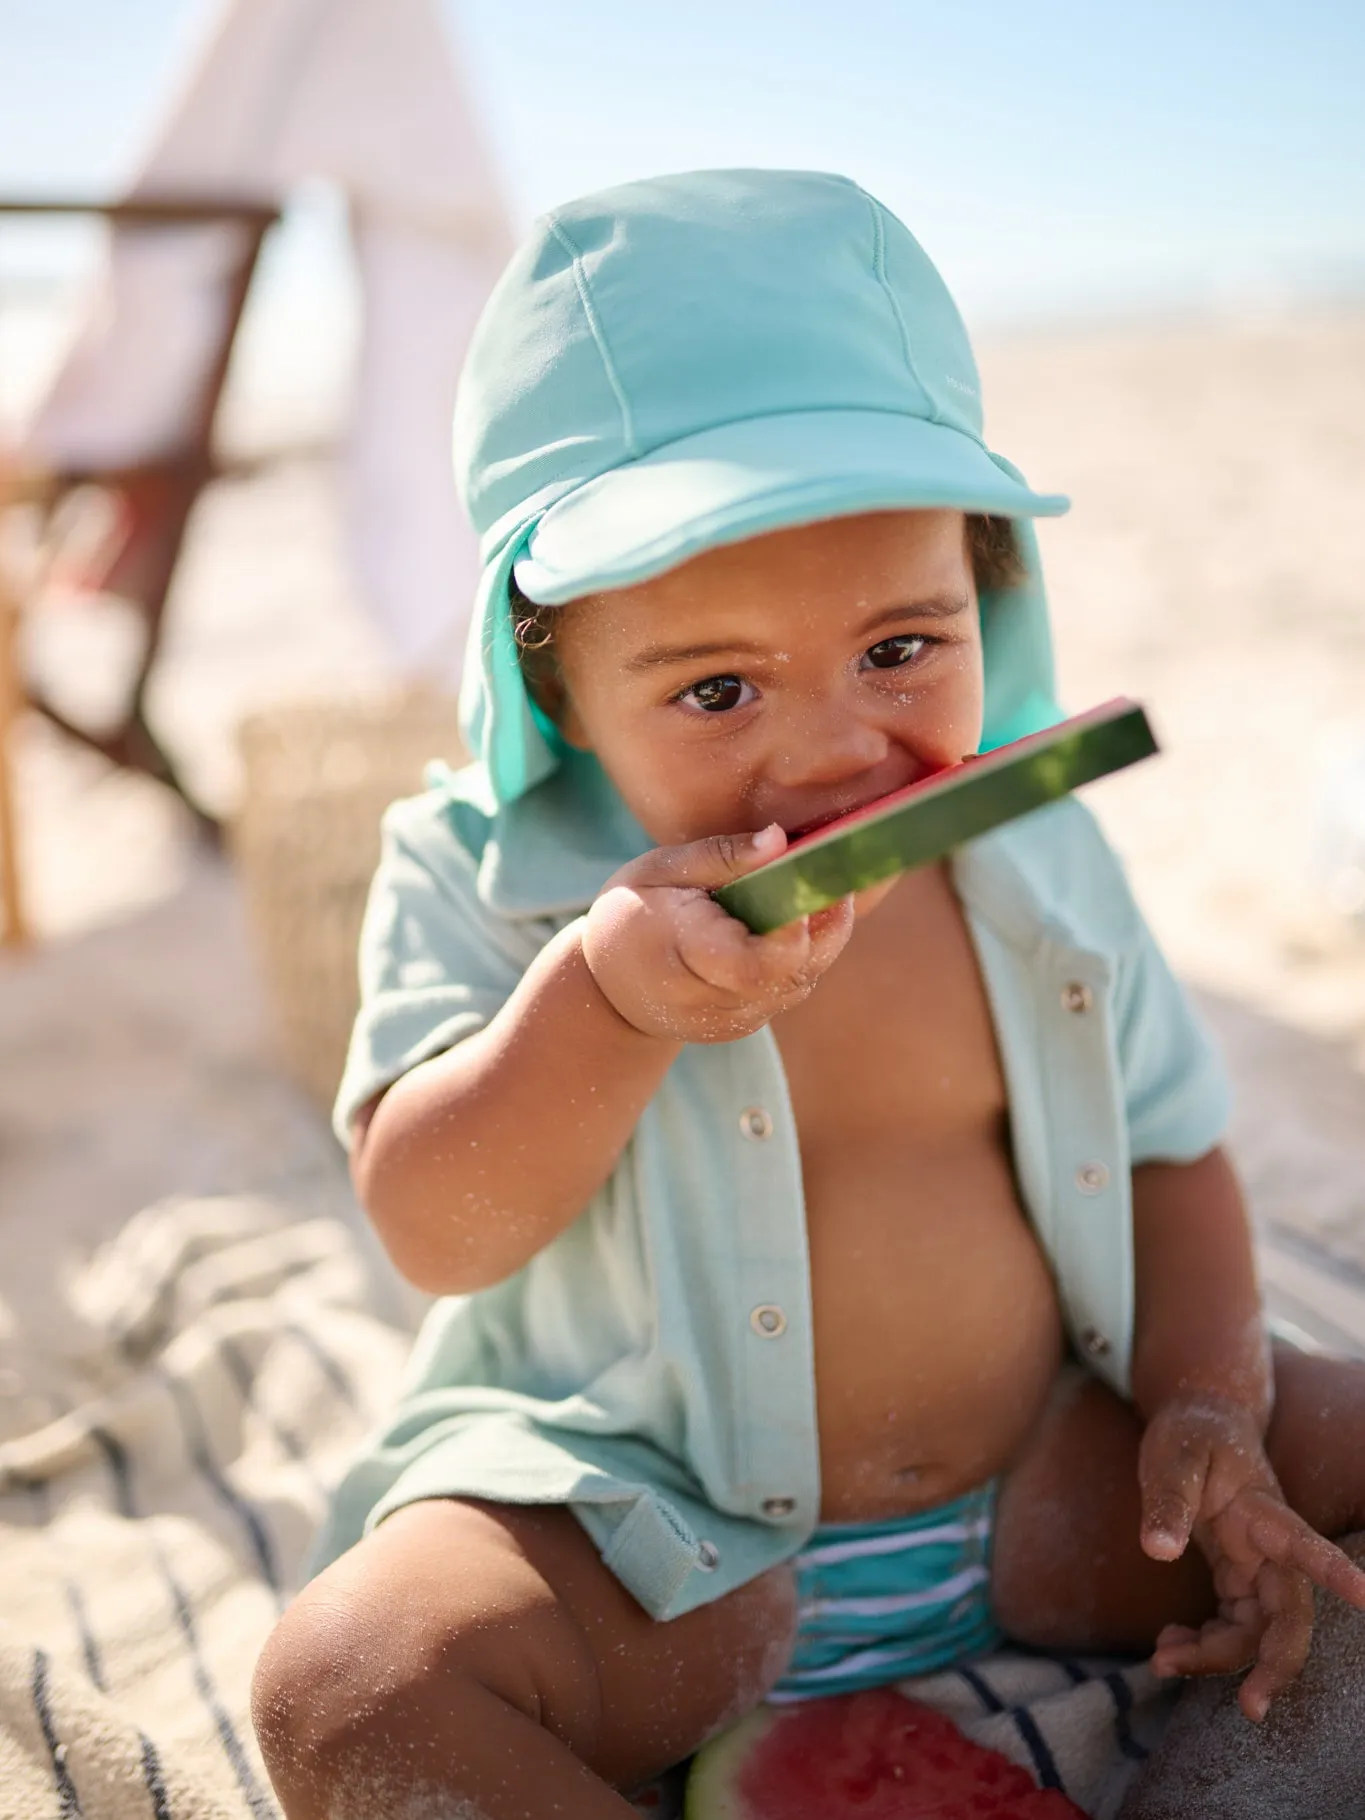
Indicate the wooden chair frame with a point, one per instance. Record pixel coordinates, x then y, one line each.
183 471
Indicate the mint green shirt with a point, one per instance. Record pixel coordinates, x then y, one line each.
653 1367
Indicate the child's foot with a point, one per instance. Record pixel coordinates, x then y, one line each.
1305 1762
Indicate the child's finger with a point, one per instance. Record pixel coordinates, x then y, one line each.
1287 1598
1172 1471
829 932
1223 1646
1283 1537
721 953
1176 1635
704 864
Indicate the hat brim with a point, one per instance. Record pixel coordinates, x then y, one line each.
762 474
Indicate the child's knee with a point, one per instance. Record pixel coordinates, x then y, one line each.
396 1652
326 1669
303 1686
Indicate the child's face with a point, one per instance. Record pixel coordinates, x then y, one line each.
788 678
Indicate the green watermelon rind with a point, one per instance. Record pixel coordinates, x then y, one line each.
711 1792
968 803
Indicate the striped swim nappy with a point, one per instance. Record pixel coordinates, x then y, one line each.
880 1601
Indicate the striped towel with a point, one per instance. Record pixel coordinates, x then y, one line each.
150 1534
229 1362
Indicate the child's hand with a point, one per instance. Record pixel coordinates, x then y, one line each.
675 965
1204 1474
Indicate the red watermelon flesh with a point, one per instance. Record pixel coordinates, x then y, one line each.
867 1756
1017 748
840 824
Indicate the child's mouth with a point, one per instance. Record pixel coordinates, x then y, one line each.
802 829
838 811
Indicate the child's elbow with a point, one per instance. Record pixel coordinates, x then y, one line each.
442 1240
455 1261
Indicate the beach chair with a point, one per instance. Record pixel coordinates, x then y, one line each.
158 495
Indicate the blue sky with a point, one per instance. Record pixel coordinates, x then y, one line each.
1059 159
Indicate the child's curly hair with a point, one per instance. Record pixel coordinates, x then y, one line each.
991 544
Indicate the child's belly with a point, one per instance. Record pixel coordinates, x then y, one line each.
937 1330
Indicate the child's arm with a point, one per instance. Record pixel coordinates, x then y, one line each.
1199 1324
473 1161
1202 1382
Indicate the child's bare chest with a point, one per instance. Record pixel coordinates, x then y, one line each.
937 1333
892 1059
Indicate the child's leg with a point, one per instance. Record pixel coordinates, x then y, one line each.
1067 1571
470 1661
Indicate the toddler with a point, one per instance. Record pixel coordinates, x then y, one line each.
815 1309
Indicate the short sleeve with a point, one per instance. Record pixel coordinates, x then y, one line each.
434 965
1175 1086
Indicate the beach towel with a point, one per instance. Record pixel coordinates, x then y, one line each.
229 1360
151 1534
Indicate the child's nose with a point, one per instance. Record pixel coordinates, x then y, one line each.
823 743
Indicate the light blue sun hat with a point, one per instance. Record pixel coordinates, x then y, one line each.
693 360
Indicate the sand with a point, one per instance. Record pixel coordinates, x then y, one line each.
1210 567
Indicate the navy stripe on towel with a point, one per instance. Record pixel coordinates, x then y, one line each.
245 1379
1044 1767
1123 1707
204 1463
328 1366
156 1782
262 1807
68 1801
40 1497
983 1690
116 1459
1073 1671
89 1648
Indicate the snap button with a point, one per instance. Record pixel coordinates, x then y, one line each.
778 1507
1094 1342
1077 996
768 1320
755 1123
708 1557
1092 1178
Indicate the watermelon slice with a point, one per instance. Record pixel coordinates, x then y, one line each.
868 1756
922 823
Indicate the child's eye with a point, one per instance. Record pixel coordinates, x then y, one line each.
891 653
718 694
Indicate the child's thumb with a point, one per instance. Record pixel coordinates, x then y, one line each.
1172 1476
703 865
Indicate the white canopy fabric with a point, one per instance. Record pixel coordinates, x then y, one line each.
366 94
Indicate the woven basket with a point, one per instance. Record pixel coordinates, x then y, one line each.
317 776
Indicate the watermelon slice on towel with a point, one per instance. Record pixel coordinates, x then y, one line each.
876 1755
